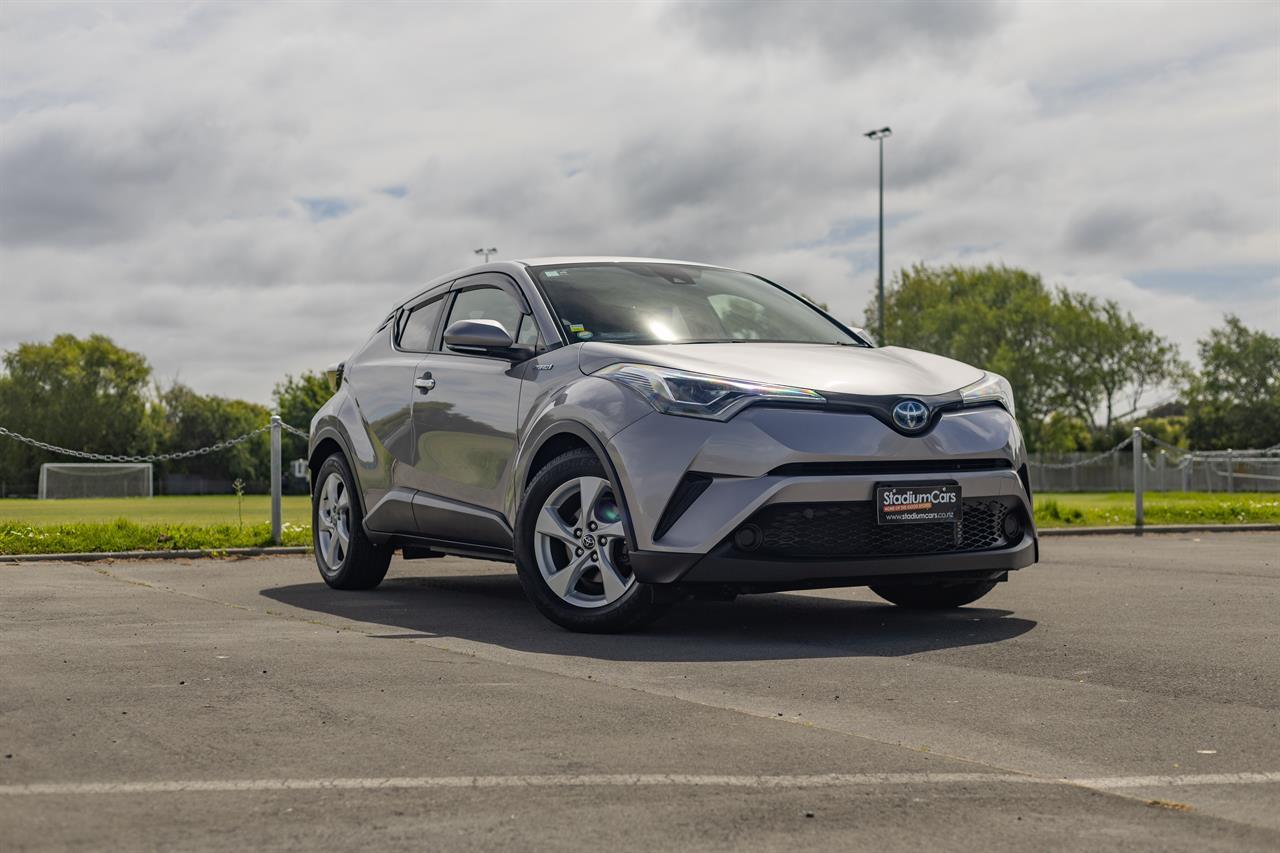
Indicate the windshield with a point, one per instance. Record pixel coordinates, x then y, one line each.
642 303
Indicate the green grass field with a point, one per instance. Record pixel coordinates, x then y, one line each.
1115 509
213 521
179 509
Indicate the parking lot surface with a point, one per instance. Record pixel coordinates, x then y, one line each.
1120 695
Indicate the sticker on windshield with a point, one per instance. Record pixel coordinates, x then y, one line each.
577 327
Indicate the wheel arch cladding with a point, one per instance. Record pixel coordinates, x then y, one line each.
323 450
554 445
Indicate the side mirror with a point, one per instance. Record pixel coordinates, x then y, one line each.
478 335
865 335
334 374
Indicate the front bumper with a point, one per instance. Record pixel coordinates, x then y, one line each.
793 459
722 567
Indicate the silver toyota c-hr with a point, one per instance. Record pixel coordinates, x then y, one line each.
631 431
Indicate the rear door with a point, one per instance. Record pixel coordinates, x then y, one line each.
464 420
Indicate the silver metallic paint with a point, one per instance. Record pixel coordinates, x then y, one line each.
647 453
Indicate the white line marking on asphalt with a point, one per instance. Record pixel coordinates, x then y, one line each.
825 780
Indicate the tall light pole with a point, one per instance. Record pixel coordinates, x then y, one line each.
880 136
486 253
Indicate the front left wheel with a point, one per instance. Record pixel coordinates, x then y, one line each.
571 550
346 557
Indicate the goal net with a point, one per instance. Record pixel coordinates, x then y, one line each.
95 480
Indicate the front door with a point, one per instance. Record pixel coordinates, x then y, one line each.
464 418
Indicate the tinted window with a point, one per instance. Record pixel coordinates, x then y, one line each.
641 303
487 303
419 326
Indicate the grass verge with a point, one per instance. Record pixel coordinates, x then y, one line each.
123 535
1115 509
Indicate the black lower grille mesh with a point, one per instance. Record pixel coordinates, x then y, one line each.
849 529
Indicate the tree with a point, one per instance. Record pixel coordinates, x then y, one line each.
1106 359
1234 401
82 393
189 420
297 401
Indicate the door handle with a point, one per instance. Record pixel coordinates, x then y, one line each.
426 383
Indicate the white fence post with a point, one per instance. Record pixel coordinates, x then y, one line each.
1231 471
275 479
1138 472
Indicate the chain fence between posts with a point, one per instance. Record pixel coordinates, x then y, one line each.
275 427
1169 469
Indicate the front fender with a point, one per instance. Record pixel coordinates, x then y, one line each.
592 410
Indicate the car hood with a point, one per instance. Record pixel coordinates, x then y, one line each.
864 371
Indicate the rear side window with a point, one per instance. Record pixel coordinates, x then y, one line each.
487 303
420 326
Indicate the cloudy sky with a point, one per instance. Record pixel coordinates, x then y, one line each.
241 190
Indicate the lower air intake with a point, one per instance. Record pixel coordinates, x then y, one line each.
849 530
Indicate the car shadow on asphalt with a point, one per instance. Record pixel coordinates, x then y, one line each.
492 609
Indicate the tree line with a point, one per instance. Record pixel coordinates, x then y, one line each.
1080 365
93 395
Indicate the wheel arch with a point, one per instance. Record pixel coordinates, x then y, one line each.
326 443
561 437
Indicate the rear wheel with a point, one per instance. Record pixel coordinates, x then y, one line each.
936 596
571 549
346 557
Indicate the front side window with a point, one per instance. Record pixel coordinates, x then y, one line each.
653 303
487 303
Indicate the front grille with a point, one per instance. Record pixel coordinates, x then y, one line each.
849 530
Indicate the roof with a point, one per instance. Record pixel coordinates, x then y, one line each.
605 259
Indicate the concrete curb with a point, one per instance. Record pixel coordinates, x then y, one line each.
154 555
1157 528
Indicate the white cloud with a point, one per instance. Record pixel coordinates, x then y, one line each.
156 161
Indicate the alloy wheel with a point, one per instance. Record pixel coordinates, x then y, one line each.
333 517
580 545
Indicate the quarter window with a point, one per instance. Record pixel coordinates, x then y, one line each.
420 326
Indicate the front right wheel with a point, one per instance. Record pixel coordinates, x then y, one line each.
571 549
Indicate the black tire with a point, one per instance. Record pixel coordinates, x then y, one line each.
362 564
937 596
639 605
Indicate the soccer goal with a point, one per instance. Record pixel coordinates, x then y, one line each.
95 480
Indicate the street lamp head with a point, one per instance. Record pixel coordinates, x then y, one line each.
882 133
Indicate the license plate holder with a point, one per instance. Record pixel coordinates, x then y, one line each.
918 503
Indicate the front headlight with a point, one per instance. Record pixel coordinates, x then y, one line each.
678 392
992 388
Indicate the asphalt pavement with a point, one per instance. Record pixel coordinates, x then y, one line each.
1123 694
